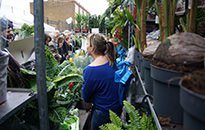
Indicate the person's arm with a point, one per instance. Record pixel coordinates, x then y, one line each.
88 88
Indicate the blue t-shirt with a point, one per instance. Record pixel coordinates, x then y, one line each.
100 88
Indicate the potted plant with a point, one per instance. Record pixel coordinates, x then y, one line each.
192 100
85 23
181 53
78 18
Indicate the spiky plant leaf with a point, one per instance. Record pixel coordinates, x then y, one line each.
133 115
103 127
110 126
115 119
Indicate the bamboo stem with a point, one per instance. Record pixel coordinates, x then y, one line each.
143 24
172 15
192 17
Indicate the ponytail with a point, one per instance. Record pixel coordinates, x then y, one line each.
110 49
102 47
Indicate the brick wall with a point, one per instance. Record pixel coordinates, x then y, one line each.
56 12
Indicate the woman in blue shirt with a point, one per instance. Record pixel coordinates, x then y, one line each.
99 86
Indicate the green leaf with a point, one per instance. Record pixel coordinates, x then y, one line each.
115 119
133 115
50 85
138 3
59 79
110 126
51 63
71 123
28 72
58 115
151 3
129 16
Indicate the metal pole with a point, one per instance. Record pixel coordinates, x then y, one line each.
149 102
40 64
129 29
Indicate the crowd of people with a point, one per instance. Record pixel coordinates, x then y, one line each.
61 44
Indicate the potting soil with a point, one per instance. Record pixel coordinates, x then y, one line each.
179 68
195 81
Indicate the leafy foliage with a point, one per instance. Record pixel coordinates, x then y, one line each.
136 122
115 119
25 31
110 126
78 18
133 116
51 63
72 123
58 115
64 83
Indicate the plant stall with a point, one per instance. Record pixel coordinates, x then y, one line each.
163 74
162 69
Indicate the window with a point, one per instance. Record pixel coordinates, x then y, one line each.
76 8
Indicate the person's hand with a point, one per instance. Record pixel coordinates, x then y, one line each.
87 106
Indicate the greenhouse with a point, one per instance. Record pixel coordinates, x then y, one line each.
102 65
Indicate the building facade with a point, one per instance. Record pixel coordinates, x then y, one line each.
56 12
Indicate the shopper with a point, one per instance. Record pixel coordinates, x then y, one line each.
99 87
6 32
63 51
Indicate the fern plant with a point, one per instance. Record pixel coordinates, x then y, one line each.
136 122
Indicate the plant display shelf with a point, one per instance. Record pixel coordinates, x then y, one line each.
141 84
17 98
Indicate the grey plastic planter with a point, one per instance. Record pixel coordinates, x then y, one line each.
147 76
194 109
3 77
166 97
138 60
141 66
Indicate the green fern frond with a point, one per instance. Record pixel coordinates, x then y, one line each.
115 119
103 127
110 126
144 122
133 115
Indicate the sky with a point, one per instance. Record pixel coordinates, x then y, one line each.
97 7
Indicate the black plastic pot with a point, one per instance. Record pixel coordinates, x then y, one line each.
193 105
137 61
166 94
147 76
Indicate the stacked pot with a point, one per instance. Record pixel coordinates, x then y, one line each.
170 100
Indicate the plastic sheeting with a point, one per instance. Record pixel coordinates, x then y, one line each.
3 75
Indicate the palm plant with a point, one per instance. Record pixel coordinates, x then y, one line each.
85 21
78 18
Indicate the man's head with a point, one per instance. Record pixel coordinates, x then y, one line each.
6 28
3 24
